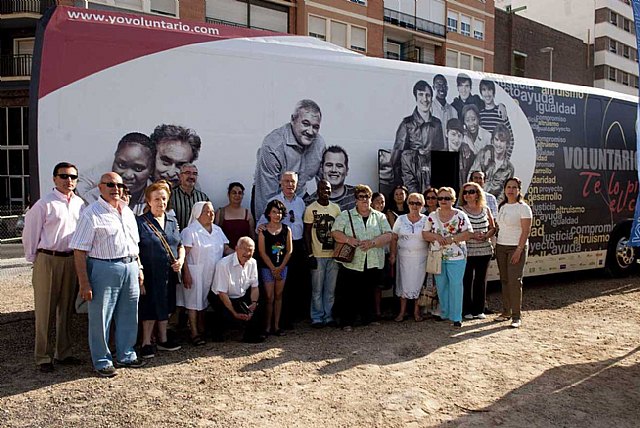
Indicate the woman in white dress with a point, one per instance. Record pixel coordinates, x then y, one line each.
205 244
409 250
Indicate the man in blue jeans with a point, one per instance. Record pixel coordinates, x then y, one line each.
106 258
318 220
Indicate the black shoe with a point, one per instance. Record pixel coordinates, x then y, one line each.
147 351
45 367
108 371
317 325
169 345
488 311
279 332
135 364
254 339
457 324
69 361
332 324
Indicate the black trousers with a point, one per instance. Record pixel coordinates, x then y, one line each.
355 294
475 285
296 297
223 319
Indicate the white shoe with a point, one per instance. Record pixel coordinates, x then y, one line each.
480 316
516 324
468 317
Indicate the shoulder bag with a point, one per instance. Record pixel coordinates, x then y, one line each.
344 252
434 257
166 246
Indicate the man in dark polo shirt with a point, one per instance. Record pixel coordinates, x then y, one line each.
186 195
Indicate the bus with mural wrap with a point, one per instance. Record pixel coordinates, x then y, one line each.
100 76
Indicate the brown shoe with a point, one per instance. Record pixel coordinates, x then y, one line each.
46 367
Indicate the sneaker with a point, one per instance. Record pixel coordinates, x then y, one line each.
168 346
457 324
516 323
135 364
147 351
469 317
108 371
480 316
46 367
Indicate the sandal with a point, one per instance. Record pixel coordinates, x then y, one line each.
197 341
418 318
399 318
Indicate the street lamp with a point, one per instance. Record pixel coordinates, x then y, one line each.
550 50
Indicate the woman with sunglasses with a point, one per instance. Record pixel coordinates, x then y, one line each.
397 205
514 226
358 278
409 250
472 202
448 228
234 220
430 200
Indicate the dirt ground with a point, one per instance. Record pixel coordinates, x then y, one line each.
574 363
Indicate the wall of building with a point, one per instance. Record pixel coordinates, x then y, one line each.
460 44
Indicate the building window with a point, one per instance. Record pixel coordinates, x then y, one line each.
14 159
465 25
392 50
265 16
317 27
339 33
635 81
612 74
626 25
465 61
478 64
613 46
625 78
519 61
478 29
613 18
452 58
159 7
452 21
626 51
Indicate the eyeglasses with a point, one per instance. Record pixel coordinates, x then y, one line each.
416 203
65 176
292 216
469 192
431 198
445 198
363 197
112 185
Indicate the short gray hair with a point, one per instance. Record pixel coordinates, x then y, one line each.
245 240
308 105
188 165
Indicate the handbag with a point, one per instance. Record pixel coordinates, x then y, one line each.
344 252
428 293
434 261
166 247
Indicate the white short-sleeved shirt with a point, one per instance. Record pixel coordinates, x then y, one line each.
234 279
410 241
509 217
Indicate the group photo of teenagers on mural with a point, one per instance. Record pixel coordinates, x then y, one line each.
137 244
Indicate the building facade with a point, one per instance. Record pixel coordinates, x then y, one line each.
605 24
470 34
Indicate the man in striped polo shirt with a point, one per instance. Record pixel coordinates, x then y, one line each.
185 195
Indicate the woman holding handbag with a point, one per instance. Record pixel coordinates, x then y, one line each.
162 256
448 228
409 254
366 231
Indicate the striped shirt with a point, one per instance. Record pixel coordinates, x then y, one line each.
490 118
182 203
106 233
479 223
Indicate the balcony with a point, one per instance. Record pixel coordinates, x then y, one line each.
414 23
15 67
234 24
10 7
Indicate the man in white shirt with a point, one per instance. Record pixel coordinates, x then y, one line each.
110 275
49 226
236 293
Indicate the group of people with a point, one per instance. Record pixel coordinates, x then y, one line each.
181 255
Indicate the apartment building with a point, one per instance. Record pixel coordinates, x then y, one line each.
470 34
606 24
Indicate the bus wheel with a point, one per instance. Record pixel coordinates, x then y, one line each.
621 257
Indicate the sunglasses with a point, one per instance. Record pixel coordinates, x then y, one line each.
431 198
363 197
65 176
112 185
469 192
292 216
445 198
416 203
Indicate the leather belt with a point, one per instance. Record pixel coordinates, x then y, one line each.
56 253
125 260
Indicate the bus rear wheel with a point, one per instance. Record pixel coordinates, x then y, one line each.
621 256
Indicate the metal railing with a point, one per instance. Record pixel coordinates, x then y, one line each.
413 22
15 65
234 24
25 6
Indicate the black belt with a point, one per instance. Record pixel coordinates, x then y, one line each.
125 260
56 253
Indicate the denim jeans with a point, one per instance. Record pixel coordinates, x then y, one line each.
323 289
449 285
115 297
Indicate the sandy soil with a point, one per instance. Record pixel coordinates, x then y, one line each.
575 363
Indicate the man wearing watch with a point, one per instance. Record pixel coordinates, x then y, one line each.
235 293
106 251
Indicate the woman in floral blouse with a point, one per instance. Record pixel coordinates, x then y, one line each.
448 228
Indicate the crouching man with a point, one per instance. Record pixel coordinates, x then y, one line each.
235 293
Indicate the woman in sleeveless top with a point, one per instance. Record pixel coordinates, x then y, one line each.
234 220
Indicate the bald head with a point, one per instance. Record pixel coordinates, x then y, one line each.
111 188
244 249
